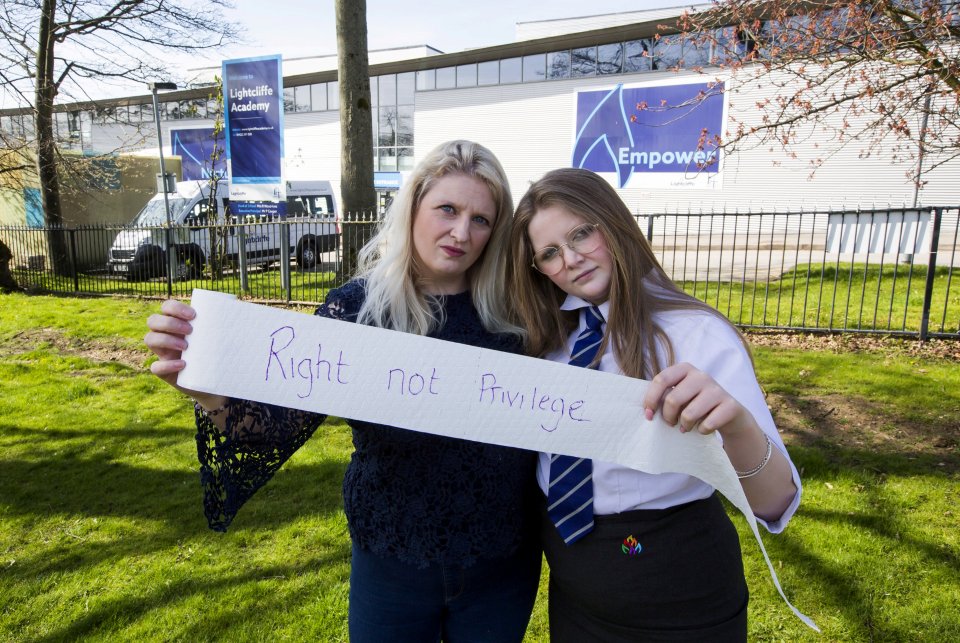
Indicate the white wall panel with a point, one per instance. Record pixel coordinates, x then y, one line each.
311 147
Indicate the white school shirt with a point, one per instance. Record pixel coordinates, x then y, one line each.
711 346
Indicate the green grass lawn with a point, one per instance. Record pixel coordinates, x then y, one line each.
830 296
102 535
838 297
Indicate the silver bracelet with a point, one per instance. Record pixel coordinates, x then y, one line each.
757 469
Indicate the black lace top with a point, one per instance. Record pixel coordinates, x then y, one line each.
418 497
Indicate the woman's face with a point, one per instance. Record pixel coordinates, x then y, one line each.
451 228
586 275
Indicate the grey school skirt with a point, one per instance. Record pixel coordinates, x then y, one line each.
649 575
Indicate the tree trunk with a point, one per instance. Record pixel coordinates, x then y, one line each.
356 129
49 178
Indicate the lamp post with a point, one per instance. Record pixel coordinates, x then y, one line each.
171 260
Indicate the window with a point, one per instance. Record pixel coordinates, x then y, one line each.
195 108
318 97
446 78
405 159
302 98
466 75
169 111
333 95
29 126
388 126
534 68
792 34
289 100
558 64
488 73
388 160
14 124
310 206
583 62
387 94
77 122
86 125
744 43
60 124
637 56
426 79
198 215
187 109
406 92
668 52
405 125
511 70
725 51
610 59
696 52
106 114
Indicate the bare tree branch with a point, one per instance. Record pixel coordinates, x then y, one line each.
57 46
858 70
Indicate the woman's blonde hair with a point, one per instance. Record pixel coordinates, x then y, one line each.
639 287
395 297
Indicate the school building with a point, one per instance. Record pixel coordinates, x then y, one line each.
564 93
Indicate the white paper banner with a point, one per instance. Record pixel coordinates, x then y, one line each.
254 352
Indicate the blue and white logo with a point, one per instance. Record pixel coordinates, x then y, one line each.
195 147
652 129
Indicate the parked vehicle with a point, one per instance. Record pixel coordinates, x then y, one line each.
139 251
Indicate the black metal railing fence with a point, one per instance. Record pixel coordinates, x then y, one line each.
884 271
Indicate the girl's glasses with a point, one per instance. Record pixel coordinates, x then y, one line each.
583 239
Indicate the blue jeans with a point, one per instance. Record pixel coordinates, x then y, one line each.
489 601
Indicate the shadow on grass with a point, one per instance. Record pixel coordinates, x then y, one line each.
862 600
843 594
112 438
114 612
73 481
886 517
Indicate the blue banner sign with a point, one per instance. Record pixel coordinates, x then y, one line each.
661 132
253 120
195 148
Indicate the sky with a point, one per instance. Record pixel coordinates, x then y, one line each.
294 28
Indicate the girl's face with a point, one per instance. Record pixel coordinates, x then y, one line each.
451 228
585 275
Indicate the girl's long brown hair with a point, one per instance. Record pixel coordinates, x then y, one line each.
639 287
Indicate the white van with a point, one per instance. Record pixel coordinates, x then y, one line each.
139 251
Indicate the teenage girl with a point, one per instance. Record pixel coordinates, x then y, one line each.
653 557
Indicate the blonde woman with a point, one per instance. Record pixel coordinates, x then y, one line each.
443 544
635 556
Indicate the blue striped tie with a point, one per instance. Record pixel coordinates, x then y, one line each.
570 499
